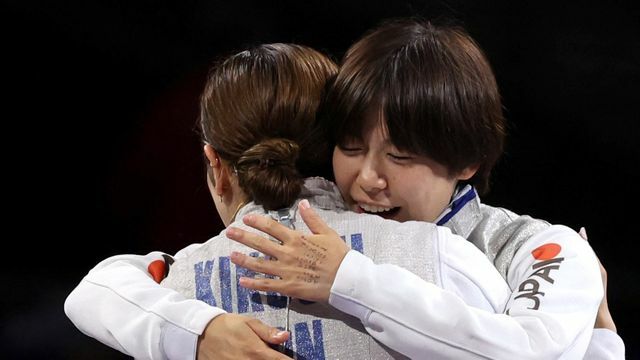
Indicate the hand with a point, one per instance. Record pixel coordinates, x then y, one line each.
604 320
305 265
232 336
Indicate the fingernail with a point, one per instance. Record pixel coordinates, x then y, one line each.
304 204
232 231
248 218
583 233
280 333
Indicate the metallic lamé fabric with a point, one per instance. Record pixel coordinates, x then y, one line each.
497 232
318 331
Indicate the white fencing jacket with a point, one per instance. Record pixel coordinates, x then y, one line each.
414 264
120 304
500 234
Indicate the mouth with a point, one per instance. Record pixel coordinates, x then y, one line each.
383 211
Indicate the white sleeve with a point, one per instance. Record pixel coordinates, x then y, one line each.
605 345
430 322
119 304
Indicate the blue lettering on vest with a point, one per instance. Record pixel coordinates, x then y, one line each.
203 282
356 243
246 296
225 283
306 348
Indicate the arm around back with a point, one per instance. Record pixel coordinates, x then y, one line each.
427 320
122 306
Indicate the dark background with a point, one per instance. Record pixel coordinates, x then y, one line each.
100 157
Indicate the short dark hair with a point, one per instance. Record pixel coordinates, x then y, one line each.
258 111
435 88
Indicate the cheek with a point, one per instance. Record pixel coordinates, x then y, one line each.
425 196
434 200
414 191
425 208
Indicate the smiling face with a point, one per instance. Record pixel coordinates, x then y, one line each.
439 97
375 177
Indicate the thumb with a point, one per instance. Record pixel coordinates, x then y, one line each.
267 333
313 221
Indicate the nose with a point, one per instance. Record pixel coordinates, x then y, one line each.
371 178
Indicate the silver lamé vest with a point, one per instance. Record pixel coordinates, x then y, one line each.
318 331
497 232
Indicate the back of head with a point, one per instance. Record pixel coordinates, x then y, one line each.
433 86
258 111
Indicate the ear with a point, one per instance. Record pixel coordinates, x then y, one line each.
211 154
219 172
468 172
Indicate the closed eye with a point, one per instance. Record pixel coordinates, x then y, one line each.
397 157
350 150
350 147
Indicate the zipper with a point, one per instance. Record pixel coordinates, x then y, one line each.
284 217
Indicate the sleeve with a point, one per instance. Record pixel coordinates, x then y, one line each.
431 322
120 304
605 345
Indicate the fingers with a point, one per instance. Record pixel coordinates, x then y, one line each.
267 333
313 221
260 265
583 233
270 285
253 241
232 336
269 226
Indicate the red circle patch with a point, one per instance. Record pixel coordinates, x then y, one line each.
157 269
546 251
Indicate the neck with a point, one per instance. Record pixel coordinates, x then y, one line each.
240 205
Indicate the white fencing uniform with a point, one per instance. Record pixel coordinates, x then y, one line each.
410 253
500 234
116 302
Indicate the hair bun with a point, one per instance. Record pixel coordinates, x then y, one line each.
267 171
271 153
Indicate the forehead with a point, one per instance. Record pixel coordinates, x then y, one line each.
374 122
369 124
375 128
